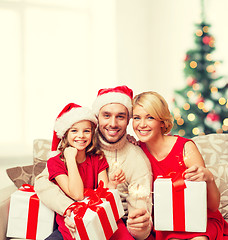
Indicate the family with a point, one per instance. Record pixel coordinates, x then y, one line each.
92 145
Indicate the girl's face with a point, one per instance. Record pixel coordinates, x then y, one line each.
144 125
80 135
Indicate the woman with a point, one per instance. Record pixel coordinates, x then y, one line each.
151 122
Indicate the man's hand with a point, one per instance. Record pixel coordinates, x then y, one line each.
117 177
70 225
139 223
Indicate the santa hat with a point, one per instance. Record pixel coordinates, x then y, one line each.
120 94
70 114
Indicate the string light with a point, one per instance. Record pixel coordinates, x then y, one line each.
200 105
210 69
195 86
195 131
205 29
205 110
214 89
186 106
181 132
193 64
199 33
180 121
222 101
211 43
209 57
191 117
225 122
190 94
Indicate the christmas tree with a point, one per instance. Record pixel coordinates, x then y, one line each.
201 107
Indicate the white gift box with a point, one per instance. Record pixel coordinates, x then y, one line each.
28 217
112 196
92 226
167 214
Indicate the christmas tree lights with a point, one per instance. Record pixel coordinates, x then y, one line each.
201 107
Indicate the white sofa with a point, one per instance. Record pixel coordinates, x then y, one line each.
213 147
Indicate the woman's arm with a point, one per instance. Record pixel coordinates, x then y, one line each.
197 171
72 184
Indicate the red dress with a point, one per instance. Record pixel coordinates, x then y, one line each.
89 171
216 225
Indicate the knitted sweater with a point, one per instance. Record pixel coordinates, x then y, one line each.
130 158
136 166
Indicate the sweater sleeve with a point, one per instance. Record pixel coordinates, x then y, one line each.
139 178
50 194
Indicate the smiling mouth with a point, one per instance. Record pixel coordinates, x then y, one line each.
143 132
112 132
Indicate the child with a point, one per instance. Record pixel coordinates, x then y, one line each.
151 122
79 163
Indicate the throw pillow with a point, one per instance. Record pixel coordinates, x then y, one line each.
25 174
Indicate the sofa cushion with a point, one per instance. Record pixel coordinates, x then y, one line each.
220 172
25 174
213 148
41 149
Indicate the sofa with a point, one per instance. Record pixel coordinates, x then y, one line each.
213 147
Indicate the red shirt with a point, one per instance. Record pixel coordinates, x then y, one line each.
88 170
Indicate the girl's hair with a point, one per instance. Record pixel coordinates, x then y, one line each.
91 149
157 107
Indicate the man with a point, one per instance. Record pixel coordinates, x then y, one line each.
113 107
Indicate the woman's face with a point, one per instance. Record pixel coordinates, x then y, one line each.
144 125
80 135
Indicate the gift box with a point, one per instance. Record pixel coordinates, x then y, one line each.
180 205
110 195
28 217
93 219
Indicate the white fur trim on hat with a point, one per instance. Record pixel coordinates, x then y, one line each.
112 97
63 123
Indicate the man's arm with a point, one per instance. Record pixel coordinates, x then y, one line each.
50 194
139 177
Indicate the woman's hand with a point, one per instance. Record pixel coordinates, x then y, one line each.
198 173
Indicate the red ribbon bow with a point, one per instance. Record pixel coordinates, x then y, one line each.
178 186
80 208
102 192
33 212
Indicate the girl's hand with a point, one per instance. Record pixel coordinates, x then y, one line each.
132 140
198 173
117 177
70 153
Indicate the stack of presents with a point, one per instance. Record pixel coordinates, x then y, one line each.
179 205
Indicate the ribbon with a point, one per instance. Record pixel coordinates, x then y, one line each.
102 192
32 212
80 208
178 186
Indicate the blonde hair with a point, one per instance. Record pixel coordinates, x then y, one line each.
156 106
91 149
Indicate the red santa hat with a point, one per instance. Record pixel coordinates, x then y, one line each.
120 94
70 114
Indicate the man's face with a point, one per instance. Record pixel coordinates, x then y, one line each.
112 122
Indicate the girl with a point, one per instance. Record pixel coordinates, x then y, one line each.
79 163
151 122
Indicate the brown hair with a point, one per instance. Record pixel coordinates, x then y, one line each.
157 107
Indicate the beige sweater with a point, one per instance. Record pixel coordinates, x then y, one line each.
130 158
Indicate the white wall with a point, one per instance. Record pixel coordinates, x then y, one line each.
68 51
